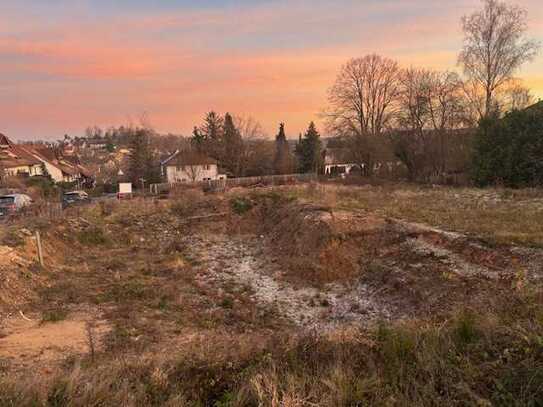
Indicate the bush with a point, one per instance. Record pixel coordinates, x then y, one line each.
241 205
508 151
44 185
93 236
55 315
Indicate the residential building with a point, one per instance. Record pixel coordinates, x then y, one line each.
16 161
38 160
336 162
190 167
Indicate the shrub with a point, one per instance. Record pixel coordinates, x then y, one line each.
93 236
508 151
241 205
55 315
465 329
45 185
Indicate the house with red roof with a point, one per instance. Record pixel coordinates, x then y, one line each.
16 161
38 159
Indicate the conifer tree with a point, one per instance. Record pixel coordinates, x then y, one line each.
309 150
233 146
212 133
198 140
282 162
142 164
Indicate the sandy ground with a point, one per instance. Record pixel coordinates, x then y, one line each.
29 342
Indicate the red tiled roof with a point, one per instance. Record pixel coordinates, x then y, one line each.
15 155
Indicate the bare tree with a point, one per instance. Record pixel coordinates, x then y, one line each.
430 107
248 127
251 134
447 111
361 103
194 171
495 47
410 139
515 96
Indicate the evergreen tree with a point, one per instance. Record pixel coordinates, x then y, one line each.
143 163
233 146
509 151
198 140
212 133
282 163
309 150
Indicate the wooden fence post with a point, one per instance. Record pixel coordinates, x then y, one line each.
40 251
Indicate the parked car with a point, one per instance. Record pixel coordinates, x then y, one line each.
13 203
74 198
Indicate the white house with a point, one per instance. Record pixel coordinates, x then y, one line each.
335 162
190 167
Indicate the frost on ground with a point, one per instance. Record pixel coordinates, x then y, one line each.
241 260
455 262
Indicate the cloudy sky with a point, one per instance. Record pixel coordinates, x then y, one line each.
67 64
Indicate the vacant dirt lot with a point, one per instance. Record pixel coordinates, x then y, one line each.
232 274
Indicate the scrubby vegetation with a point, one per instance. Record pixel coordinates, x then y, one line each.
469 360
295 296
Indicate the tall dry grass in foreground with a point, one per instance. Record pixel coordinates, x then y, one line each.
495 359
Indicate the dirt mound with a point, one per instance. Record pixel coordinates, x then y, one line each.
410 269
316 244
20 273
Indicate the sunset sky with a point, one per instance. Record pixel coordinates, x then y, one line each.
68 64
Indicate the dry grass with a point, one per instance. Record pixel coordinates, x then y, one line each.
470 360
499 216
178 340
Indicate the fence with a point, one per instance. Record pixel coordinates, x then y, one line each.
42 210
222 184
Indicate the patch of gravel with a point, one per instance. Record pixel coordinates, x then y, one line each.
455 262
531 262
241 260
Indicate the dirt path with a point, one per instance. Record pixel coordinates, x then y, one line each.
28 342
241 260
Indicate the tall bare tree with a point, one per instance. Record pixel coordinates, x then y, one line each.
430 107
409 141
495 47
251 136
516 96
361 104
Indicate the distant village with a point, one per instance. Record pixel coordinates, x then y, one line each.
60 164
101 158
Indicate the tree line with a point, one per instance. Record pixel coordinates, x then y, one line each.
420 116
432 122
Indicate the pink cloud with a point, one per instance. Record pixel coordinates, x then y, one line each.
176 66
